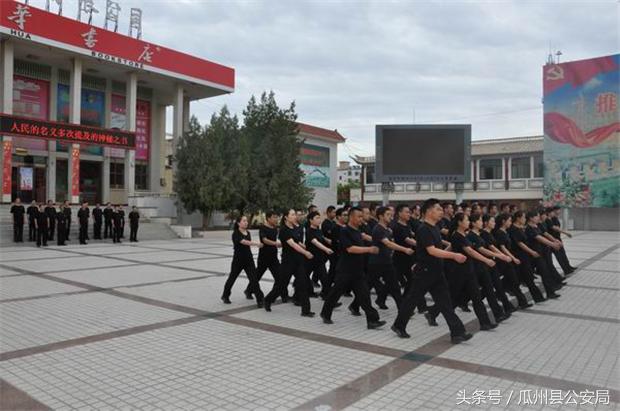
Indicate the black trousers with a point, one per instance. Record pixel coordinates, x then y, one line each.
550 266
288 268
61 236
331 272
487 289
32 231
402 267
316 267
463 286
42 234
97 229
350 281
133 232
542 270
435 283
264 264
51 228
18 231
562 258
123 229
83 232
243 264
524 270
500 291
511 281
382 278
116 234
68 230
108 231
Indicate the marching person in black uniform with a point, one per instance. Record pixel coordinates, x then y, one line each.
524 254
268 253
18 211
50 212
134 219
117 221
327 227
350 272
243 260
316 244
121 213
61 220
403 236
41 223
67 211
554 227
83 215
98 222
108 231
429 276
537 242
544 230
32 211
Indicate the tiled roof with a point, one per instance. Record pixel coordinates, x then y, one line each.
314 131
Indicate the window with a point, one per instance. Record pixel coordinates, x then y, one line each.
491 169
117 175
370 174
141 177
520 167
539 166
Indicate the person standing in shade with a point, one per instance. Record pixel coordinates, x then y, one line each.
117 225
18 211
83 215
350 272
50 212
121 213
61 225
41 223
268 253
243 260
134 220
97 222
293 254
67 211
429 276
108 212
32 211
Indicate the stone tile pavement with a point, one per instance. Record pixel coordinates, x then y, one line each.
140 326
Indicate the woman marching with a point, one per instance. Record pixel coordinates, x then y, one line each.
243 260
293 263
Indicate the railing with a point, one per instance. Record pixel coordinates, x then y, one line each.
484 185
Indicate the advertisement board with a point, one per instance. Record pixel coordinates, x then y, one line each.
315 164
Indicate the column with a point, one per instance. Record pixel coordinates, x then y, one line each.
75 101
131 93
157 144
51 145
6 106
105 178
177 122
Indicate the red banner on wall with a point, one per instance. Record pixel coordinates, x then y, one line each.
75 171
7 152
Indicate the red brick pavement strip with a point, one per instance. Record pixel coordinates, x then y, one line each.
12 398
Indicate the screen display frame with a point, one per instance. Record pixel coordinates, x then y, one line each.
382 177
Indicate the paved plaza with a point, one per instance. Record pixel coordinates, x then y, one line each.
141 326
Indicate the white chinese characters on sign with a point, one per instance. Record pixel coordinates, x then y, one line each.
147 55
19 15
89 38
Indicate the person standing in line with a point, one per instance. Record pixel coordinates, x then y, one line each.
108 212
121 213
243 260
293 254
117 224
41 223
97 221
67 211
61 226
32 211
83 215
50 212
349 274
429 276
134 220
268 253
18 211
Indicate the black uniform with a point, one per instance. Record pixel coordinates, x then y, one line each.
549 256
83 215
402 261
117 223
61 221
560 255
134 218
108 231
524 270
331 231
18 212
350 276
380 267
243 260
428 276
121 213
32 225
510 278
98 222
42 231
50 212
267 258
316 265
531 232
67 211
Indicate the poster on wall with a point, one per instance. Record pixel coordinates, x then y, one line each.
92 114
118 120
582 133
75 172
25 178
7 153
30 100
314 161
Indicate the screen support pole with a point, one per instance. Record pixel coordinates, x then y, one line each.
459 195
386 198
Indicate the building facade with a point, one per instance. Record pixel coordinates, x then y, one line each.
349 173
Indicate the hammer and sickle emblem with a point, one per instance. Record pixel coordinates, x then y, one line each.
555 73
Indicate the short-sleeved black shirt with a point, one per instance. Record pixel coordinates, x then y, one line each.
476 240
488 238
385 253
311 234
350 263
270 233
18 212
372 223
401 233
288 253
414 224
241 250
531 233
428 235
517 235
502 238
553 221
459 242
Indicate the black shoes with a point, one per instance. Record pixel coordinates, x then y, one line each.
226 300
267 306
381 305
308 314
488 327
553 296
400 333
259 304
430 319
327 320
347 294
465 308
248 295
338 304
354 312
525 306
372 325
457 339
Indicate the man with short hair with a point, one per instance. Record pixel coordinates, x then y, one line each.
32 211
108 231
83 216
98 222
18 211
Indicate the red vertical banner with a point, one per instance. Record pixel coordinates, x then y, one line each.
75 171
143 129
7 153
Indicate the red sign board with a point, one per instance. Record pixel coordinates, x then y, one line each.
28 127
7 152
37 25
75 171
